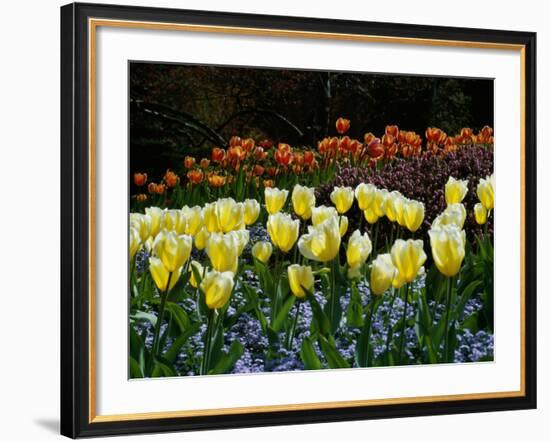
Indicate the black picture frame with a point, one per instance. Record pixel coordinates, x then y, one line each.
75 220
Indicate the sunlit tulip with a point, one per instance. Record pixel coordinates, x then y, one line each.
134 242
242 237
321 213
217 287
309 157
371 215
398 281
172 249
251 211
365 194
453 214
283 155
382 273
161 274
486 192
195 266
303 200
407 257
195 176
171 179
413 214
193 217
283 230
480 213
275 199
342 198
300 278
322 242
142 223
140 179
455 190
217 155
448 248
262 251
342 125
379 203
156 214
359 248
394 206
223 251
175 221
223 215
201 238
160 188
343 224
189 162
216 180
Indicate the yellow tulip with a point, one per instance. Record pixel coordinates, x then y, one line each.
342 198
394 206
174 221
382 273
365 193
455 190
161 274
134 242
223 251
322 242
303 200
480 213
172 249
370 215
379 203
486 192
223 215
397 281
195 266
275 199
201 238
408 257
193 218
262 251
217 287
321 213
448 248
251 211
156 214
142 223
359 248
343 225
300 278
453 214
241 238
283 230
413 215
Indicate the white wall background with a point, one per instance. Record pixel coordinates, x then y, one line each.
29 242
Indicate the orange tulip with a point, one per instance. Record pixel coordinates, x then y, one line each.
258 170
248 144
189 162
269 183
343 145
235 141
266 144
376 149
392 130
195 176
260 154
217 155
236 153
140 179
205 162
141 197
160 188
171 179
298 158
272 171
308 157
369 138
466 133
216 180
152 188
283 155
342 125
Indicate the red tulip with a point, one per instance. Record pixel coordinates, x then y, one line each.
342 125
140 178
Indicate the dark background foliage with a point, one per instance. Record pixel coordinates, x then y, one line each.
183 109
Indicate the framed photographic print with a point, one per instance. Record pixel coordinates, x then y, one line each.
276 220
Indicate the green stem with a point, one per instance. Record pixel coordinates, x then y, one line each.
373 308
333 290
375 242
155 347
292 331
447 308
389 335
207 343
403 327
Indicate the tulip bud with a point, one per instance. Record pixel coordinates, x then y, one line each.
455 190
343 225
370 215
262 251
241 238
251 211
413 215
174 221
342 198
172 249
142 223
217 287
223 251
342 125
453 214
303 200
189 162
408 257
161 274
382 274
223 215
156 214
359 248
140 179
300 278
283 230
480 213
134 242
321 213
365 194
322 242
201 238
275 199
193 217
448 248
197 267
394 206
379 203
486 192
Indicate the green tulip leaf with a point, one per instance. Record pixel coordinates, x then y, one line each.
309 356
333 356
228 360
282 315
